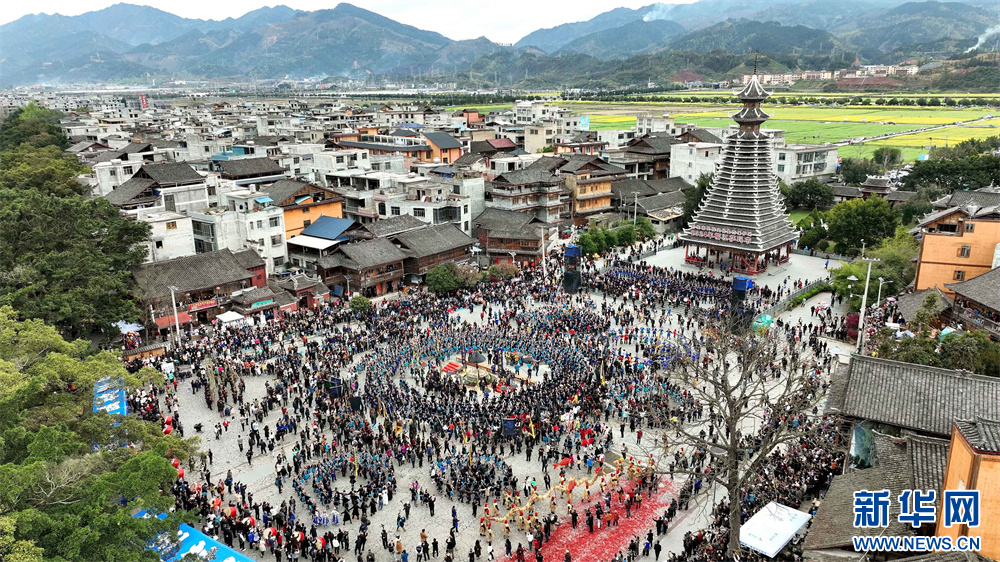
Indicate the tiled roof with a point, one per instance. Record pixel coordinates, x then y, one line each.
433 240
371 253
282 191
910 303
917 397
384 228
443 141
170 173
704 136
244 167
929 459
190 273
502 219
661 201
254 295
937 215
897 195
983 288
978 198
467 159
298 281
846 191
982 434
248 259
128 191
833 525
526 176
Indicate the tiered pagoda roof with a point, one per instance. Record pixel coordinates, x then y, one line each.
742 209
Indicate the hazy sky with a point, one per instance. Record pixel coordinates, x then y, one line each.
503 22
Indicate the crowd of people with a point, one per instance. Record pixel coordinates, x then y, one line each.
350 399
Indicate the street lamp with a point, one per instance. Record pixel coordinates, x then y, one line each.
864 303
476 250
880 283
177 321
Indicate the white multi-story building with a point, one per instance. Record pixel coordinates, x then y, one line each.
798 162
171 235
245 219
690 160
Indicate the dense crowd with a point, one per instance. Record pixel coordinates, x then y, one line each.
350 398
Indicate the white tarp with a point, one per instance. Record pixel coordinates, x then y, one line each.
229 316
770 529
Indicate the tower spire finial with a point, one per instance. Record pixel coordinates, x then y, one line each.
755 55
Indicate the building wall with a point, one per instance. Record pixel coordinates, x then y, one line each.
799 165
940 253
295 218
445 156
170 239
962 473
689 161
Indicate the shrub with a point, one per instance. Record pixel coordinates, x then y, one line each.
360 304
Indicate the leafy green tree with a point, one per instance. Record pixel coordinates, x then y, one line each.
869 220
971 351
47 170
32 125
645 228
67 260
587 244
972 171
626 235
812 237
443 278
67 485
896 256
360 304
887 157
503 270
694 196
810 194
856 170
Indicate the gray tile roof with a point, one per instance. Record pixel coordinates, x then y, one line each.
526 176
983 434
254 295
978 198
298 281
984 288
467 159
929 459
443 141
371 253
248 258
910 303
126 192
282 191
661 201
169 174
433 240
502 219
383 228
833 525
846 191
897 195
931 217
704 136
190 273
245 167
924 399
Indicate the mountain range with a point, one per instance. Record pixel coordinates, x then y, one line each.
127 42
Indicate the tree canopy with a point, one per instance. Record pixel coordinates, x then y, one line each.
810 194
861 221
32 125
70 477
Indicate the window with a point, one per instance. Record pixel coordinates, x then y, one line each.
781 156
260 223
394 211
465 209
706 154
273 222
172 225
781 167
159 244
306 223
970 227
127 170
279 261
206 149
959 275
381 208
169 204
419 212
276 240
465 225
305 210
965 251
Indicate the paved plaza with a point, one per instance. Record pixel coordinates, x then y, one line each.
259 477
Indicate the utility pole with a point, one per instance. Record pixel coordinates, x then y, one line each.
177 322
635 207
864 303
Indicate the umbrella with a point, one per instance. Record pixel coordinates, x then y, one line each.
249 521
230 511
299 536
477 357
270 532
320 542
128 327
216 502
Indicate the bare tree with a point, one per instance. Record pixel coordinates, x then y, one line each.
751 403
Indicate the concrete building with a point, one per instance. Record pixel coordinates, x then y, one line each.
171 235
957 244
245 219
690 160
799 162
